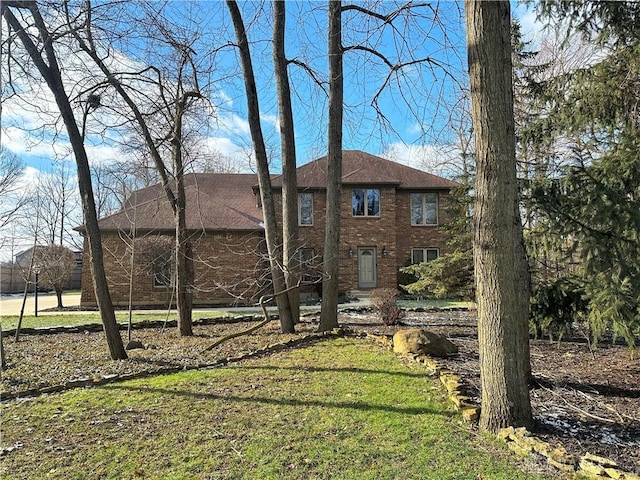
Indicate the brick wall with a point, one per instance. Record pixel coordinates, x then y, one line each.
392 231
227 269
231 267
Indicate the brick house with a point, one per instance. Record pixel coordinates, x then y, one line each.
390 217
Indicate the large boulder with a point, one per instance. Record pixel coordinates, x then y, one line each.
420 341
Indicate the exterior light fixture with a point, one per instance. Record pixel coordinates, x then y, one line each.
384 251
350 252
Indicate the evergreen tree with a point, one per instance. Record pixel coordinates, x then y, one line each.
451 274
591 115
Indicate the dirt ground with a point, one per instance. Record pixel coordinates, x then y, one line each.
589 401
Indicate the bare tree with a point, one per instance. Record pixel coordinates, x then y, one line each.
173 101
32 31
264 180
290 238
500 262
59 205
329 313
55 264
12 197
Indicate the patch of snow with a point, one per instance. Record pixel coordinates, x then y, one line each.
602 433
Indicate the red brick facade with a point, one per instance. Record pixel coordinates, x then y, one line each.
228 268
391 233
230 265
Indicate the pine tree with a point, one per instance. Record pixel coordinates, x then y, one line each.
591 209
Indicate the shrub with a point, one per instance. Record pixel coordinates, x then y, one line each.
448 276
557 306
384 301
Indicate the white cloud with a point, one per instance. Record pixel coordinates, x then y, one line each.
272 120
30 177
24 143
236 124
442 160
530 27
104 154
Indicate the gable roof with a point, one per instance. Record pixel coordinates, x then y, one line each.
227 201
359 167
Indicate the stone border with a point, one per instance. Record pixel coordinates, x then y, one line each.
450 380
518 440
522 442
98 380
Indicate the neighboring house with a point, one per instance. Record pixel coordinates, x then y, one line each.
390 217
12 275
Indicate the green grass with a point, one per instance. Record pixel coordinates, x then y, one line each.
435 303
82 318
341 409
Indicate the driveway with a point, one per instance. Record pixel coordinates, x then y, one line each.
11 304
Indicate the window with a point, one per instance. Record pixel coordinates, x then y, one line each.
424 208
365 202
307 258
163 269
305 209
419 255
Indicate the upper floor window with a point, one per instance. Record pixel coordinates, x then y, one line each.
419 255
305 208
424 208
365 202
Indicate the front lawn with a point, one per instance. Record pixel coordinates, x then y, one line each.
83 318
342 408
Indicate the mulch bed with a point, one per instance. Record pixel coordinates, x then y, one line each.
587 401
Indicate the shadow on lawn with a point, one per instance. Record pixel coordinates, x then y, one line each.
333 370
281 401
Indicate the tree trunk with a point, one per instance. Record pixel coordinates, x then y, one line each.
184 274
59 296
290 238
184 256
3 360
329 311
264 179
499 263
50 71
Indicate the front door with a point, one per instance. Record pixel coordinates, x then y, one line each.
367 267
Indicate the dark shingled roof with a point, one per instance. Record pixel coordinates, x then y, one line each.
215 201
224 201
359 167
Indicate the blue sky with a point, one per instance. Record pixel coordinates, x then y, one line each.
416 105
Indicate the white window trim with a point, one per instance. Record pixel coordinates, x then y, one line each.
366 209
423 211
300 224
424 253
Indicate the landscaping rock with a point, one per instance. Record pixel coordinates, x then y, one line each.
420 341
134 344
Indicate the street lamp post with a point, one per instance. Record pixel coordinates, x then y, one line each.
37 272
